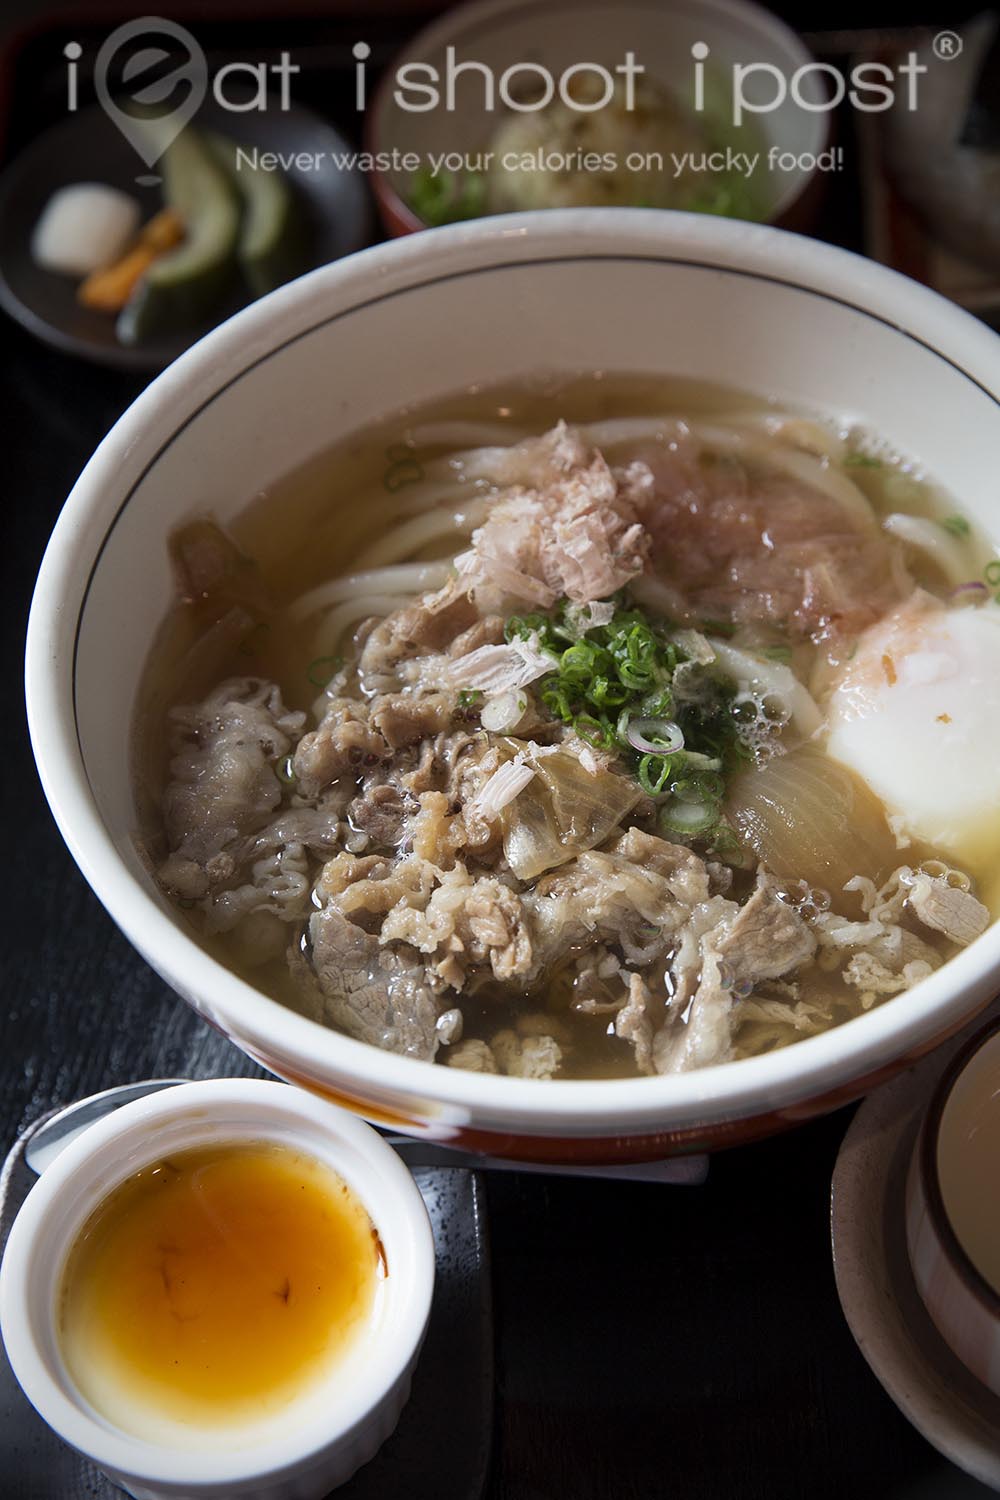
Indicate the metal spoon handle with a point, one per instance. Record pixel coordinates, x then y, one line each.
60 1129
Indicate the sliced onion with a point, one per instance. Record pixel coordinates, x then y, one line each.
973 592
564 812
504 712
655 736
773 679
810 818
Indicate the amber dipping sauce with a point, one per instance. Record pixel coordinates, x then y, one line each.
215 1286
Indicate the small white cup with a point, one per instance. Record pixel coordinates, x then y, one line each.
337 1434
962 1304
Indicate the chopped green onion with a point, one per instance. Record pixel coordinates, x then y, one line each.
695 761
446 197
654 772
470 697
402 469
992 574
612 684
725 842
688 818
778 653
322 668
285 770
956 525
704 786
654 736
862 461
519 627
593 732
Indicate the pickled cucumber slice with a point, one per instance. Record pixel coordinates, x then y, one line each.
186 285
273 244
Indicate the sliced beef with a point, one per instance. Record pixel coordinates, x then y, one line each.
379 812
473 1055
403 719
437 833
766 938
526 1057
704 1035
743 545
419 629
279 884
686 955
365 888
877 977
947 908
606 895
689 879
763 939
881 956
372 992
489 631
440 762
466 924
208 566
272 875
316 829
634 1022
223 785
344 743
448 777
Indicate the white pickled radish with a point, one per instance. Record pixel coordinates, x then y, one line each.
809 818
83 227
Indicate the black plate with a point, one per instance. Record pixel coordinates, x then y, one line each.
87 147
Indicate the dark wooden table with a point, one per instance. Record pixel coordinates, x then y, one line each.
650 1342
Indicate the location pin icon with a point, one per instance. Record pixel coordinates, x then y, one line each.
150 134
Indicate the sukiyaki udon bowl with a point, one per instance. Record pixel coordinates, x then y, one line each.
538 682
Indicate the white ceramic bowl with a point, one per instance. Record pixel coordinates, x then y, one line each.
560 34
963 1306
487 302
345 1418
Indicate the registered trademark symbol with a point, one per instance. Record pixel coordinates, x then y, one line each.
947 45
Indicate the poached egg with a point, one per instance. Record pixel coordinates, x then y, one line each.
916 714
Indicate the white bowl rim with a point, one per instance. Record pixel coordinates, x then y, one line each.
114 1448
584 1108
